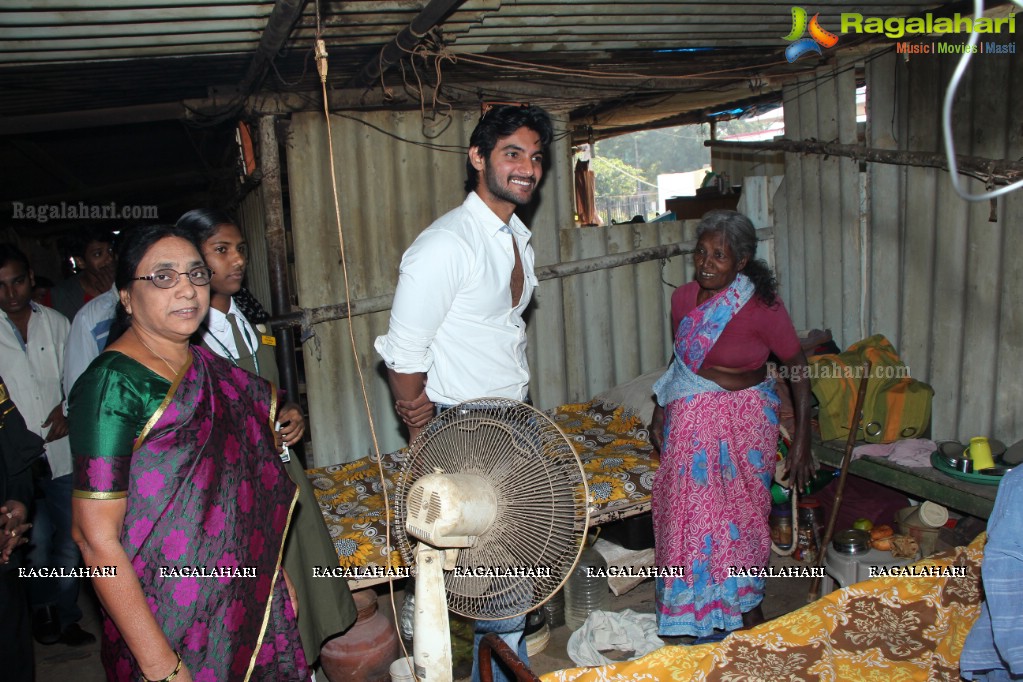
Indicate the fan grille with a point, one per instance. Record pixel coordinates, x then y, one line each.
542 504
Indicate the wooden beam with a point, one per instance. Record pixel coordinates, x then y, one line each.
1000 171
277 249
338 311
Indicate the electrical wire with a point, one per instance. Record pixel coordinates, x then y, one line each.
616 169
946 118
321 67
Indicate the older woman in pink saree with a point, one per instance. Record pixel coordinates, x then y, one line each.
180 488
716 427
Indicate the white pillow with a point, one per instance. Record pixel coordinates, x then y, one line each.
636 395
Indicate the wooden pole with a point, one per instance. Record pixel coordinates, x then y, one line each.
338 311
277 251
854 427
996 170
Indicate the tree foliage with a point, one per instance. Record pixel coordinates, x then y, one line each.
616 178
669 150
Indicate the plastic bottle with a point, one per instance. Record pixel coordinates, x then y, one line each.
586 589
408 611
808 541
554 609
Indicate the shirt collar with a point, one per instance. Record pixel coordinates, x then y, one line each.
491 222
33 306
217 321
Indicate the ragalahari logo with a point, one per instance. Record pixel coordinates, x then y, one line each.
818 36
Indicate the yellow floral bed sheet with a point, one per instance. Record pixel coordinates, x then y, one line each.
884 629
611 442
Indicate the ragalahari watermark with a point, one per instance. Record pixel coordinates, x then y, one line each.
42 213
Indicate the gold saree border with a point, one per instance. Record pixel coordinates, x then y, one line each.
273 584
273 410
94 495
163 405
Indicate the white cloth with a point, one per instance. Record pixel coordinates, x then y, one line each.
610 631
910 452
33 374
218 335
89 336
452 315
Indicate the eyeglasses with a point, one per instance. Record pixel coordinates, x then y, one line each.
168 278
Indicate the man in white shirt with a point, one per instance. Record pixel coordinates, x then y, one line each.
90 334
32 339
456 331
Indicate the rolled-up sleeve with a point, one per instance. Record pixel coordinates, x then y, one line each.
431 273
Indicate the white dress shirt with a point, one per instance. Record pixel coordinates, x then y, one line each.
452 315
89 335
33 373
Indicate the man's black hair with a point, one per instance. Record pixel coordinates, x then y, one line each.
11 253
76 243
501 121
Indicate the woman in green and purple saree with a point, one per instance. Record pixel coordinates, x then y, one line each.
179 488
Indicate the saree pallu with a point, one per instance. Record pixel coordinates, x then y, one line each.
208 491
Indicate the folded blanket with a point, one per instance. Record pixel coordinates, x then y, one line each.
911 452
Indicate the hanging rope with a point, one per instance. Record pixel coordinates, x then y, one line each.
321 67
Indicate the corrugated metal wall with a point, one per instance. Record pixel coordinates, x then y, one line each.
617 320
392 185
252 219
587 332
895 251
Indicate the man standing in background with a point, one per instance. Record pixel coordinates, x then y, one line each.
32 339
92 249
19 448
456 331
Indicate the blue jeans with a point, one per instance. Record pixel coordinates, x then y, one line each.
512 631
51 546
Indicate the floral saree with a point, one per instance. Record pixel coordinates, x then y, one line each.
711 493
208 507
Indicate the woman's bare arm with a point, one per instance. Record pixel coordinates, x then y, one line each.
96 527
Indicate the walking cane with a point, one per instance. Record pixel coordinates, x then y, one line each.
854 426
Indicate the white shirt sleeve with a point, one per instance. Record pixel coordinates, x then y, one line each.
80 350
432 272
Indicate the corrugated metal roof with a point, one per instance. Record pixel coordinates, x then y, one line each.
602 67
66 55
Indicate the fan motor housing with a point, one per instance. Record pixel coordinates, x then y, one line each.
450 510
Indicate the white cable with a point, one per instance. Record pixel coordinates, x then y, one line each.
946 117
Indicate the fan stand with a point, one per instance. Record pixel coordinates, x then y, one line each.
431 646
481 477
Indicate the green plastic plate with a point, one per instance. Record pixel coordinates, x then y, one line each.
938 462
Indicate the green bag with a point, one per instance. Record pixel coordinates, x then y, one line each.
896 406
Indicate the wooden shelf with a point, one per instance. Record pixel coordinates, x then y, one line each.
924 483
